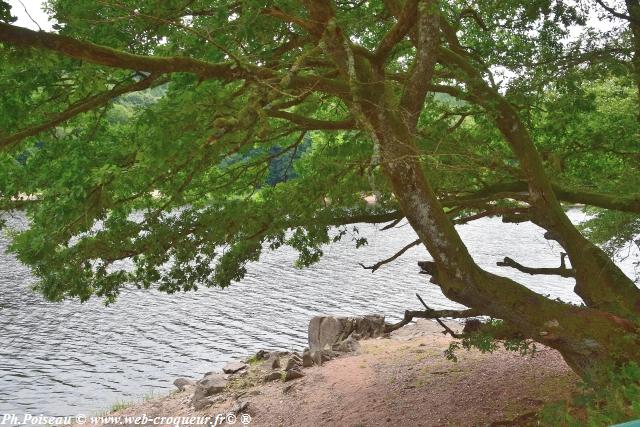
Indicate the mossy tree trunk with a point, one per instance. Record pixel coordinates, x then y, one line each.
589 338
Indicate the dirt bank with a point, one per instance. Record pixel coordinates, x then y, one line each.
401 381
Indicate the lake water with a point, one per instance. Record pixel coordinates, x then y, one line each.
70 358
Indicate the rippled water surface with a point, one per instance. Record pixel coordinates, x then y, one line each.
68 358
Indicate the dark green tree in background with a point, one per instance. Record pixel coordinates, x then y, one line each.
149 129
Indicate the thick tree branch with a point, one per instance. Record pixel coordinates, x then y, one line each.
614 12
416 88
103 55
405 21
630 203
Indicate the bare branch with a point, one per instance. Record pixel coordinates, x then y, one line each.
392 258
391 224
558 271
429 313
614 12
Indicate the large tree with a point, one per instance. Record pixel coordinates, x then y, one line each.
145 130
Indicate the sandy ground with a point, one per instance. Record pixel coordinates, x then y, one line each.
401 381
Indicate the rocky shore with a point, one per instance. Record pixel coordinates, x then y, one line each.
354 374
329 337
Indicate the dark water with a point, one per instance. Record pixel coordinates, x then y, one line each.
68 358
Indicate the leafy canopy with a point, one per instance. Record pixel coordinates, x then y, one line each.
190 171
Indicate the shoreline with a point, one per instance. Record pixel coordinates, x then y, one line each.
400 380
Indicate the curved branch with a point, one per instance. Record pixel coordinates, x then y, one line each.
614 12
103 55
406 20
392 258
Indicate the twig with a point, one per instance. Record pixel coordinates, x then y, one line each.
562 271
428 313
392 258
446 328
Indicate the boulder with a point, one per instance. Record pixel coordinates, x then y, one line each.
210 384
233 367
183 383
239 407
348 345
262 355
272 376
293 363
325 331
307 361
205 402
316 357
293 374
274 361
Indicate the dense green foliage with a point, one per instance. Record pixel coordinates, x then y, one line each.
187 180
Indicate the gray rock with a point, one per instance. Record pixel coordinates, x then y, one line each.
293 363
233 367
262 355
347 346
316 357
210 384
274 361
293 374
207 401
239 407
325 331
327 355
182 383
272 376
307 361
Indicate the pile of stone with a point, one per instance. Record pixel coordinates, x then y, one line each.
329 337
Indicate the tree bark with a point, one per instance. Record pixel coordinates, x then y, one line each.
633 9
589 339
599 282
